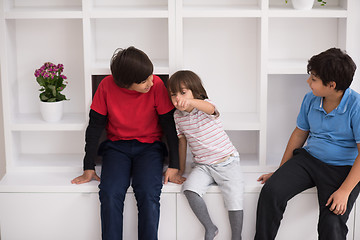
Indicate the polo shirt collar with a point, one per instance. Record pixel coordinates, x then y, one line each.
344 101
339 109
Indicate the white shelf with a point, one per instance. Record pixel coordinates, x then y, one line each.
287 66
56 182
102 67
129 12
324 12
34 122
46 182
44 13
221 11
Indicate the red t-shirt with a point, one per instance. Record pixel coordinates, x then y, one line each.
132 115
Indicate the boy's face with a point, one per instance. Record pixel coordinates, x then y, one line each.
317 86
181 99
144 86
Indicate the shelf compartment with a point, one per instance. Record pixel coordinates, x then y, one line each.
231 80
287 53
35 9
286 91
247 144
106 41
47 151
240 121
23 96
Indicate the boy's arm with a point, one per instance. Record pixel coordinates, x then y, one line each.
182 153
297 140
97 124
203 106
338 200
168 125
199 104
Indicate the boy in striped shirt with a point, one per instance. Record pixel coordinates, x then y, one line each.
216 160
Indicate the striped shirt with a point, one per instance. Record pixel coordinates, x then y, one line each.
205 135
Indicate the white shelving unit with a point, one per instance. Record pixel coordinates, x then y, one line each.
250 54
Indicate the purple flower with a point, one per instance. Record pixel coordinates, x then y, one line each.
49 75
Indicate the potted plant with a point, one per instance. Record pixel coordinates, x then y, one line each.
49 76
305 4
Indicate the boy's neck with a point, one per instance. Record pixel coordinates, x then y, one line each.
335 97
331 102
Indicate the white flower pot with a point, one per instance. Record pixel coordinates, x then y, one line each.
52 111
303 4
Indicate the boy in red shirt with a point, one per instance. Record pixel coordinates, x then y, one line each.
134 106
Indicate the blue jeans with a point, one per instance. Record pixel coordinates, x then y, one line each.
140 164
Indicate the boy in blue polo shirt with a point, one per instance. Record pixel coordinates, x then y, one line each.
329 120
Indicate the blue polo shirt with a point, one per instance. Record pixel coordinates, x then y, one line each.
332 136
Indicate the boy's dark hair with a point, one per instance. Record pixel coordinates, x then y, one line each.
129 66
333 65
190 80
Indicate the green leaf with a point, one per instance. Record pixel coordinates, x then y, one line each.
43 97
41 81
60 97
53 90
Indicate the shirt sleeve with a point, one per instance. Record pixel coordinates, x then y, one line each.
176 120
163 103
97 123
168 126
302 121
355 121
99 101
216 113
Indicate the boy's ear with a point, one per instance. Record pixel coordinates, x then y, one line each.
332 84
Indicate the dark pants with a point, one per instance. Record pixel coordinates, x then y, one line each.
140 164
299 173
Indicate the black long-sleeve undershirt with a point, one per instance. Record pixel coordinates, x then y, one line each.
168 126
97 124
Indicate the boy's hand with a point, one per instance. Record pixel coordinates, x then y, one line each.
87 176
172 175
263 178
182 103
338 202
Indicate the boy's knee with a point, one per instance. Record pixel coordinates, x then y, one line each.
147 194
270 190
112 198
332 226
